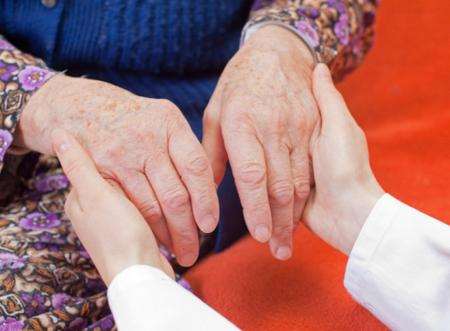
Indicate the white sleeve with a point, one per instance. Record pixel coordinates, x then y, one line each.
144 298
399 268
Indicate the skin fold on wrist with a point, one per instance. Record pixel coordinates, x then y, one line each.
279 39
353 212
30 133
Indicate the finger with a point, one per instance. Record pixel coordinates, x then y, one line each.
332 107
212 139
193 165
249 169
281 198
175 204
301 175
77 165
72 208
137 187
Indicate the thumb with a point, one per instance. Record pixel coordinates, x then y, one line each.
77 164
213 142
332 106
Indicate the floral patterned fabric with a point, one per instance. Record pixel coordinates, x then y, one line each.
47 280
20 76
338 32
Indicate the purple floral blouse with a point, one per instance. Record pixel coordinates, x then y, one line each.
47 280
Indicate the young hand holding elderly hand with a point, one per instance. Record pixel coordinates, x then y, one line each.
115 233
111 228
145 145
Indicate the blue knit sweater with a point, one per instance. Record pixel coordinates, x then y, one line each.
172 49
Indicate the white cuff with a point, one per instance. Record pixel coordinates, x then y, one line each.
399 268
144 298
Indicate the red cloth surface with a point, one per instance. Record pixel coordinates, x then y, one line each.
401 97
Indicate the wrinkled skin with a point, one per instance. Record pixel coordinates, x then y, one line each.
99 211
261 118
144 145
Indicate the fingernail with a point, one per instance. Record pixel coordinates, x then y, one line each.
60 140
283 253
208 223
262 233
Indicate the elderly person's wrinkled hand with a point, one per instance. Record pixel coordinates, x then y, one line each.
261 118
93 203
145 145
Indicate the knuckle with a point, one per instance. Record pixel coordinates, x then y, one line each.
167 104
198 165
252 173
302 188
151 210
204 201
176 200
283 228
257 207
187 239
281 192
209 119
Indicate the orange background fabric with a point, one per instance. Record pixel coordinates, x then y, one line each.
401 97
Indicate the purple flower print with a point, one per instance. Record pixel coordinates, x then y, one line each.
47 240
48 183
308 33
78 324
106 323
5 141
339 5
33 77
34 303
10 324
341 29
5 46
310 12
6 71
258 4
11 261
59 300
39 221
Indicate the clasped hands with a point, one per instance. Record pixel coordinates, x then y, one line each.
263 118
345 191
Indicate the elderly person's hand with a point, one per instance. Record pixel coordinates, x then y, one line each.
261 118
145 145
345 188
92 206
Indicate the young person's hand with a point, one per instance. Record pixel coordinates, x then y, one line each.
110 227
345 188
